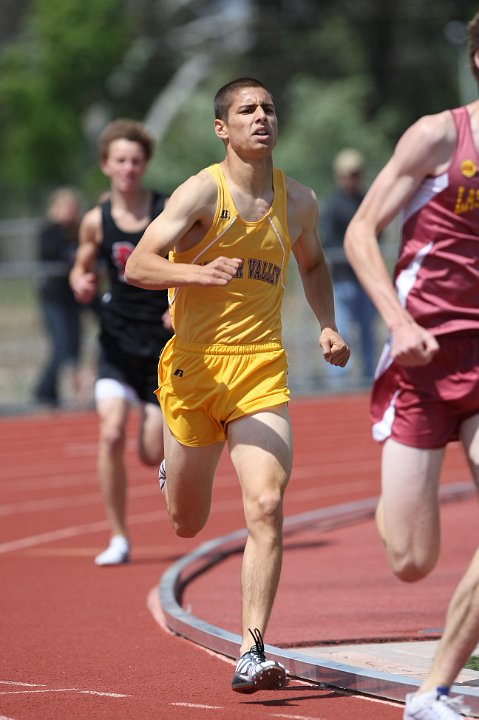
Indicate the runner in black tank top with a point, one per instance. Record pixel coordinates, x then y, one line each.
135 324
131 318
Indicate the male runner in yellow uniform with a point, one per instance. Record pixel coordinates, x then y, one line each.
222 378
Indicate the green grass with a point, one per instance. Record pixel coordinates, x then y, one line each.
18 293
473 663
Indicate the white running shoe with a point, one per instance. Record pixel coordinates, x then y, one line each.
254 672
162 476
116 553
430 706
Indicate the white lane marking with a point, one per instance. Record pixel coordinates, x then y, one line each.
45 688
225 478
53 535
295 717
29 506
200 707
160 515
46 482
22 684
76 530
221 506
65 690
4 717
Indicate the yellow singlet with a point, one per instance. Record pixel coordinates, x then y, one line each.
226 359
248 309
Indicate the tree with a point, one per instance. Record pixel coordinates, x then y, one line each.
344 72
48 78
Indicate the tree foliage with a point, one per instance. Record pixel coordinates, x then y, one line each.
49 77
349 72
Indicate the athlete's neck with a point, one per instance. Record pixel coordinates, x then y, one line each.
134 201
131 211
251 177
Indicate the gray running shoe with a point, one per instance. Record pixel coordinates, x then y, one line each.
253 672
430 706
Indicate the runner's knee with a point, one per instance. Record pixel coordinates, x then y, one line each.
112 436
186 527
265 510
409 568
187 520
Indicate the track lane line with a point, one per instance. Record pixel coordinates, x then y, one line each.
64 690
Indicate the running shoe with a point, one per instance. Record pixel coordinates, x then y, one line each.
117 552
162 476
253 672
431 706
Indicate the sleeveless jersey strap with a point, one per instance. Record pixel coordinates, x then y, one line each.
106 218
157 204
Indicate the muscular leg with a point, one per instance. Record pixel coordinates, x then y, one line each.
408 511
113 416
260 449
150 434
461 633
190 472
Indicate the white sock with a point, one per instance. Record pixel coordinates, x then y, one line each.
116 552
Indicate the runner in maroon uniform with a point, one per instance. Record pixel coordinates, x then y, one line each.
135 323
426 391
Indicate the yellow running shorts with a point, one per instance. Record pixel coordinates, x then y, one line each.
201 388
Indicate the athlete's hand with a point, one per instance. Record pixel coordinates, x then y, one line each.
84 286
335 350
412 345
219 271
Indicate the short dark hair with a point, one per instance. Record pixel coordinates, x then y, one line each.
224 96
125 129
473 46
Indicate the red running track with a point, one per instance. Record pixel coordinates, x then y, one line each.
79 641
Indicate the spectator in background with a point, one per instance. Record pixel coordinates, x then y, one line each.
355 313
57 244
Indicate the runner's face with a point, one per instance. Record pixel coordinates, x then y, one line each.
125 165
252 125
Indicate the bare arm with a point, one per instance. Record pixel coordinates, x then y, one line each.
423 150
183 222
83 279
314 271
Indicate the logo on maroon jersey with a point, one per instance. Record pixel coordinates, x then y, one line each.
468 168
120 253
